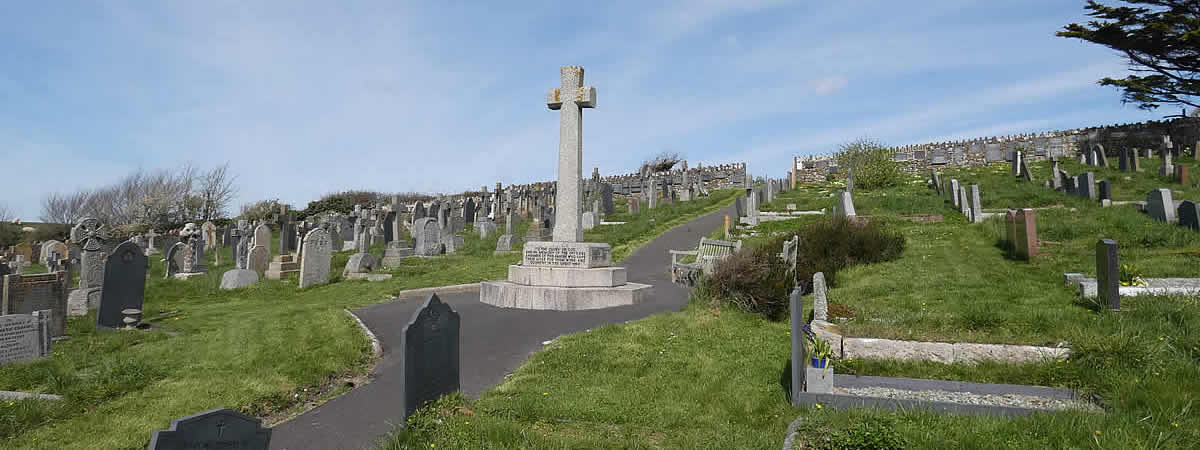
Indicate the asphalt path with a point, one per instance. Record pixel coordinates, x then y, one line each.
494 342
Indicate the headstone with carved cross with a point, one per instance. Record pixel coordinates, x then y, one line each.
217 428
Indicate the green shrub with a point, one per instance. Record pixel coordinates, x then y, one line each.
872 164
755 280
836 243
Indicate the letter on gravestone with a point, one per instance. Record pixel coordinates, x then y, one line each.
124 284
430 343
217 428
24 337
1108 275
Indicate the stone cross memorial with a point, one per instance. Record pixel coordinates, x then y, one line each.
566 273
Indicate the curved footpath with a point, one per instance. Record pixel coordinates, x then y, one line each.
495 341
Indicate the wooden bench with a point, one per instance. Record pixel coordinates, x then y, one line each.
707 254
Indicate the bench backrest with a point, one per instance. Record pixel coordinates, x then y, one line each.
717 248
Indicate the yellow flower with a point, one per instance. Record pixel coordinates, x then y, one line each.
818 406
468 422
545 393
1097 432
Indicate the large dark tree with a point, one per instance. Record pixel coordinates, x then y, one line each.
1161 40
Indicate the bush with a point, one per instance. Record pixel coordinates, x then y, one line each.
834 244
755 280
872 164
260 210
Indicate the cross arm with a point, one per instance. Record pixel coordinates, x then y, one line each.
585 97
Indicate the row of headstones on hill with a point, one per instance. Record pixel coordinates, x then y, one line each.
655 191
747 206
310 258
966 199
431 367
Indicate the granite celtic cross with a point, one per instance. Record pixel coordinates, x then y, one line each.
570 99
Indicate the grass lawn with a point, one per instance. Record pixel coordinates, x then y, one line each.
706 378
262 350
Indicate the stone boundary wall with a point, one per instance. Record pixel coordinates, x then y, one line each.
920 158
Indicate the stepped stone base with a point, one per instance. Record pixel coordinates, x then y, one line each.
282 265
570 277
393 257
80 300
506 294
369 276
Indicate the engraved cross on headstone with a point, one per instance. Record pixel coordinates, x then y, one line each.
570 99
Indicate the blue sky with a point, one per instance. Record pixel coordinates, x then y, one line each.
306 98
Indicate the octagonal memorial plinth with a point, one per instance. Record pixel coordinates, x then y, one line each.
564 276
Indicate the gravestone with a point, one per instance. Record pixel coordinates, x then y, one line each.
262 237
430 342
228 241
1105 190
315 258
24 337
1160 205
1025 173
1025 241
174 259
1016 164
486 228
92 237
937 182
799 359
1181 174
1087 186
820 302
209 233
258 259
1167 168
124 284
845 205
469 211
953 193
976 215
389 227
1123 164
24 294
634 203
213 429
1108 274
588 220
1188 216
964 202
426 236
849 180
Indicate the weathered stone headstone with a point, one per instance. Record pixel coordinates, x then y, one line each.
820 303
1016 164
1160 205
426 236
976 207
124 284
1087 186
24 294
262 237
845 205
1108 274
92 237
24 337
315 259
259 259
588 220
209 233
213 429
486 228
1188 215
1181 174
1025 237
799 359
1167 168
953 192
174 259
430 342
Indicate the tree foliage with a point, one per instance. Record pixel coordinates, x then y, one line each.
1161 41
161 199
871 162
663 161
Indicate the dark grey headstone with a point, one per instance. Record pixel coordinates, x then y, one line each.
124 284
1123 163
1105 190
1108 274
1189 216
174 259
389 225
215 429
606 199
469 210
799 359
430 343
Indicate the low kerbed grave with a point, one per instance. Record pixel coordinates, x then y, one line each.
958 397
